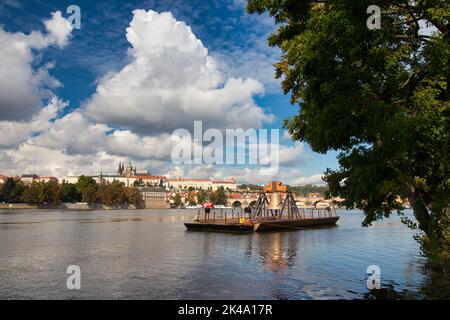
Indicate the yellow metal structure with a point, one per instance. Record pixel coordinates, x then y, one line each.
275 186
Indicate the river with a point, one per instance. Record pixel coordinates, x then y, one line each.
148 254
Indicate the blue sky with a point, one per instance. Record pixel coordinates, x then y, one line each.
100 49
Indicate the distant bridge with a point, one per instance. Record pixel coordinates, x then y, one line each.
246 199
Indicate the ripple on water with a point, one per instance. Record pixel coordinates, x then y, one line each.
148 255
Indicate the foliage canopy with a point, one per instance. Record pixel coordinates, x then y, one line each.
380 97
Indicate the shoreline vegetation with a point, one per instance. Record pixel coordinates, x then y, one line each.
86 194
81 206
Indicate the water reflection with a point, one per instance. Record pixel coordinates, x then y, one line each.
277 251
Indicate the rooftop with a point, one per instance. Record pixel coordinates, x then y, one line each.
151 177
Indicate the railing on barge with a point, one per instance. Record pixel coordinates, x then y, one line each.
222 216
235 216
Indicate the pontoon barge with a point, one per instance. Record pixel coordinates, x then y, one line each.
278 214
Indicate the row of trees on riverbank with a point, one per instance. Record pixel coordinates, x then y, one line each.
193 198
85 190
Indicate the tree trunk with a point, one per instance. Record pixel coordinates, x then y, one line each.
420 209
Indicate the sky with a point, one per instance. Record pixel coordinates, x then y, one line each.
79 101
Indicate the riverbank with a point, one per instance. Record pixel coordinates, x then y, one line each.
17 206
67 206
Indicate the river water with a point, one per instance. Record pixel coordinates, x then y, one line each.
148 254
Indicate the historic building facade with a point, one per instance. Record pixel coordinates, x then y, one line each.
155 198
30 178
127 175
204 184
132 176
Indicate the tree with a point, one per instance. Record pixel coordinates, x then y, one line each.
202 196
252 187
191 199
177 200
8 189
32 194
69 193
84 182
112 194
12 191
90 194
50 192
139 183
132 196
309 188
380 97
218 197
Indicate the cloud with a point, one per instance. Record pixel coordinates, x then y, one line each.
292 155
172 81
59 29
46 161
287 135
315 179
286 175
251 62
22 88
76 135
13 133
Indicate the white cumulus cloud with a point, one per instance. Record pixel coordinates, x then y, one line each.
22 88
171 81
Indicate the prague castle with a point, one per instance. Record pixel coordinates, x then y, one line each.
132 176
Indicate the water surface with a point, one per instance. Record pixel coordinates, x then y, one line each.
148 254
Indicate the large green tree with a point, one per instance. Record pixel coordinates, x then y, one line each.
219 197
12 191
177 200
85 182
378 96
69 193
112 194
90 194
32 193
132 196
50 192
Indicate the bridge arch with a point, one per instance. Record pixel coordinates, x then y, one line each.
321 203
236 204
